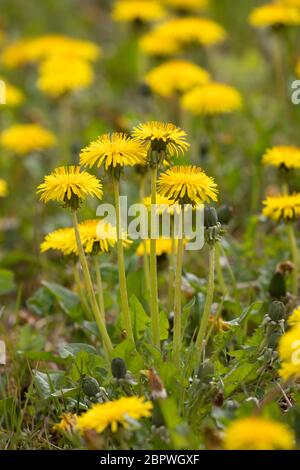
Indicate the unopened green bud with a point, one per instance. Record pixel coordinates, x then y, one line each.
90 386
277 286
225 213
276 311
210 217
118 368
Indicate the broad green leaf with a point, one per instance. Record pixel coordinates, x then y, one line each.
72 349
126 351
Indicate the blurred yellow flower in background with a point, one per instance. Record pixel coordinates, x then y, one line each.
282 207
176 76
187 184
62 240
3 188
113 150
187 5
164 246
289 351
64 183
256 433
67 423
276 13
157 44
283 155
114 413
26 138
212 98
60 75
138 10
294 318
13 96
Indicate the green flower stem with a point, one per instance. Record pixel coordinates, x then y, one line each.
208 301
153 269
108 347
172 267
81 294
219 271
177 305
295 256
145 256
121 264
99 286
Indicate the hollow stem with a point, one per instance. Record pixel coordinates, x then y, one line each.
295 256
99 286
108 347
208 301
121 264
219 271
172 267
153 267
81 294
177 305
145 255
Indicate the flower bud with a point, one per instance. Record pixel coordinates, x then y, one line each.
276 311
277 287
210 217
225 213
118 368
90 386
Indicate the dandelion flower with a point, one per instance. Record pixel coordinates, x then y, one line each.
97 235
162 137
58 76
67 423
289 353
114 413
25 138
160 45
283 155
138 10
62 240
187 185
12 95
211 99
187 5
192 30
294 318
282 207
15 54
255 433
113 150
68 184
273 14
163 204
176 76
3 188
164 246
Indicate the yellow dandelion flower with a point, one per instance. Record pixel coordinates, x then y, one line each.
59 75
98 235
282 207
294 318
255 433
276 13
44 47
176 76
163 204
138 10
289 353
114 413
187 5
113 150
3 188
160 45
212 98
283 155
161 137
66 183
25 138
188 185
63 240
192 29
164 246
67 423
12 95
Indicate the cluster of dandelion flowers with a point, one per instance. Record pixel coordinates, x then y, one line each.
58 76
13 96
212 99
282 207
289 346
43 47
3 188
161 137
257 433
23 139
69 185
113 151
113 414
282 156
294 318
138 10
187 185
192 6
176 76
273 14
